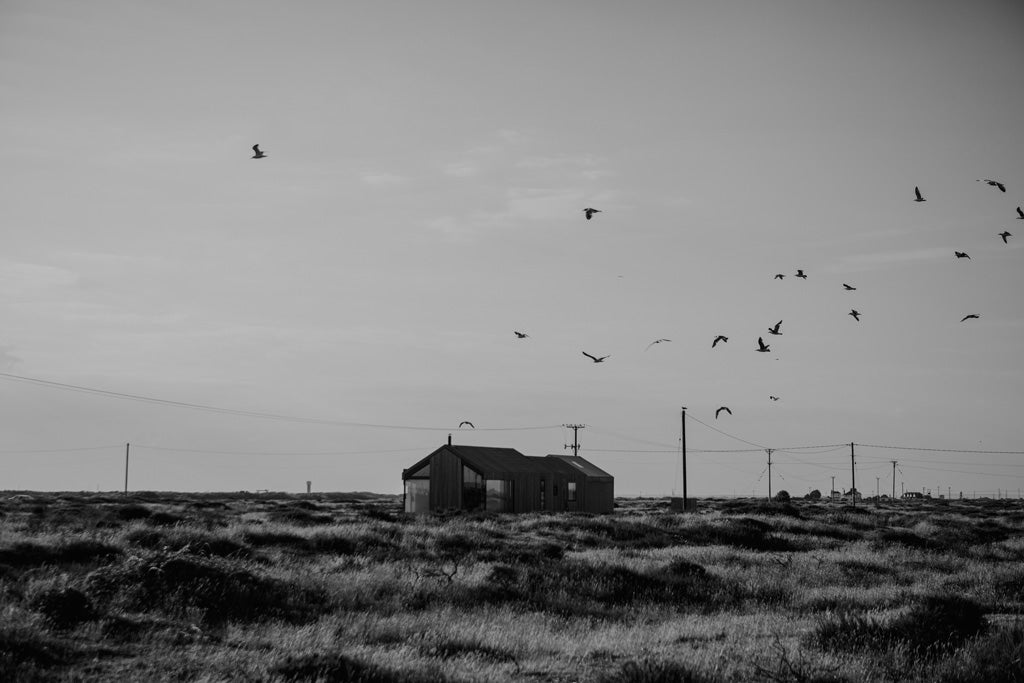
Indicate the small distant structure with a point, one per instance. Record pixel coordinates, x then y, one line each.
852 496
492 479
913 495
309 487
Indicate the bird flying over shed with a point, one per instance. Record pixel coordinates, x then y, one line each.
719 338
1004 234
993 183
848 288
762 347
596 359
970 316
1020 214
855 313
779 276
520 335
800 273
466 422
257 153
590 212
725 408
657 341
775 330
961 254
917 193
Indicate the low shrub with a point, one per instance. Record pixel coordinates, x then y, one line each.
76 551
339 667
219 589
63 608
933 626
653 671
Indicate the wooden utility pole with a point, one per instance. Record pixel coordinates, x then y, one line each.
682 421
575 440
769 452
127 447
853 476
893 478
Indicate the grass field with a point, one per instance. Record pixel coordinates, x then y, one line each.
243 587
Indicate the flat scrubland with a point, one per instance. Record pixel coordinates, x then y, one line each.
243 587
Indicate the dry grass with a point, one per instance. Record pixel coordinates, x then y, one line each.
345 587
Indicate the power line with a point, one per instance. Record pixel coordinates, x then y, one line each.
938 450
749 443
60 450
247 413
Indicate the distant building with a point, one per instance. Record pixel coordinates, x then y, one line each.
853 495
505 480
913 495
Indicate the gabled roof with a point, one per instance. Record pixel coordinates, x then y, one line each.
588 468
495 463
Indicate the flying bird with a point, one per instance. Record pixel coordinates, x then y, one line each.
595 358
258 154
774 398
590 212
520 335
719 338
848 288
779 276
800 273
961 254
968 317
993 183
1004 234
726 409
466 422
657 341
919 197
775 330
761 346
855 313
1020 214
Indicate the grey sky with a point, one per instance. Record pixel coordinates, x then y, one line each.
427 163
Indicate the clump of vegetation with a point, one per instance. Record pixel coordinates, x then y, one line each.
218 589
653 671
933 626
335 666
64 608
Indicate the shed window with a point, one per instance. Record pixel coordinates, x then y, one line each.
417 495
499 495
570 491
543 505
473 493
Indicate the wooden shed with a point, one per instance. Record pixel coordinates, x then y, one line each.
504 480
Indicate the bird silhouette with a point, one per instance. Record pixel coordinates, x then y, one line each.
726 409
590 212
917 192
258 154
761 346
961 254
466 422
968 317
855 313
520 335
657 341
1004 234
775 330
993 183
595 358
1020 214
719 338
779 276
800 273
774 398
848 288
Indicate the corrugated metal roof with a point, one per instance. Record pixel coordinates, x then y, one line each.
588 468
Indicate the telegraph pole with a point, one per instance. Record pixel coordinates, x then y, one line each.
682 422
127 447
893 478
575 438
769 452
853 476
830 496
